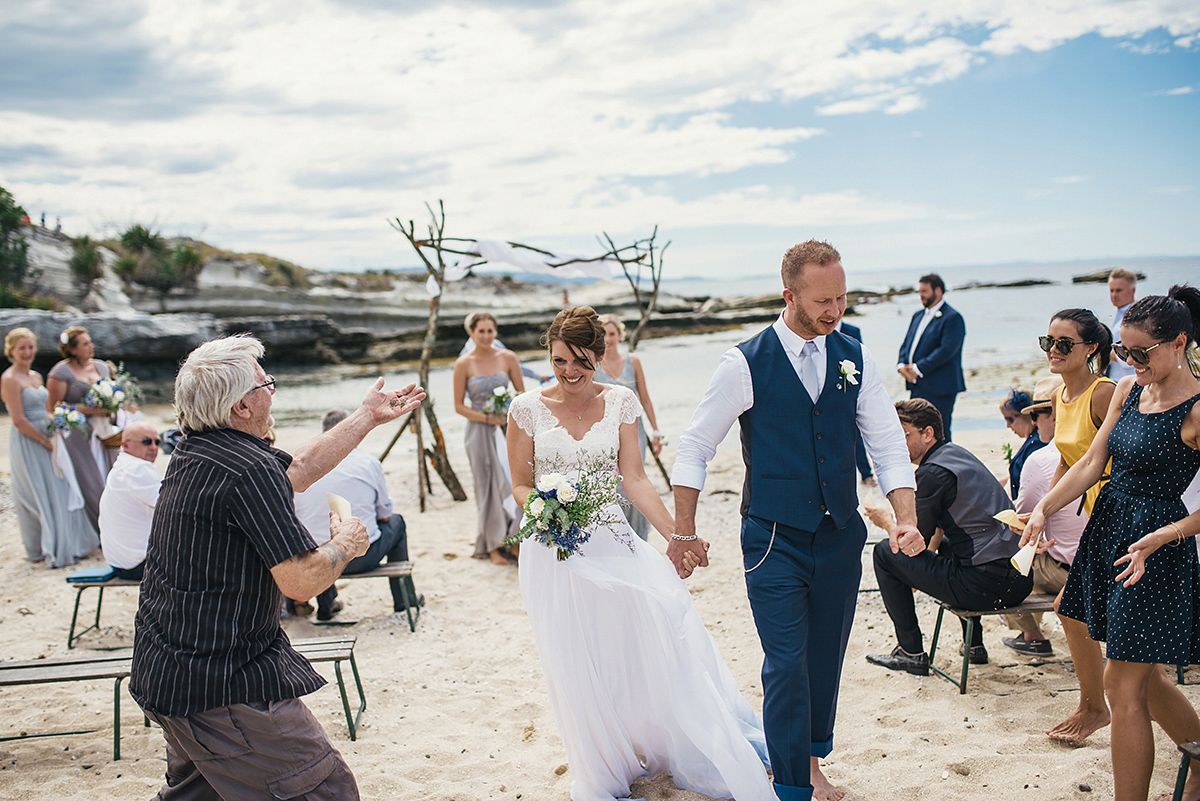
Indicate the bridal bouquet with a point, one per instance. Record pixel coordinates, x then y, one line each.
66 419
561 513
499 402
110 394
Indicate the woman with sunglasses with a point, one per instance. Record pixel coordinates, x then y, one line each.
1140 598
1077 346
477 375
1023 426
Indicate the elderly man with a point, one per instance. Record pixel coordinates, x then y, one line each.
930 359
211 663
127 504
1122 287
970 568
360 480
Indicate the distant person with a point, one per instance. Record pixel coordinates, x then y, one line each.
211 663
1025 428
127 505
54 528
626 369
1122 289
865 473
476 376
1137 596
931 355
360 480
68 382
966 561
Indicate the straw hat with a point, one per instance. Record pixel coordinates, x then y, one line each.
1043 394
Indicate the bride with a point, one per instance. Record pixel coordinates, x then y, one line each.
636 683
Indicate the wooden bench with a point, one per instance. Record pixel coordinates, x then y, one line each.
1034 603
117 666
388 570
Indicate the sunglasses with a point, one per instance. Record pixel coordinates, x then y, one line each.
150 440
1063 345
1139 355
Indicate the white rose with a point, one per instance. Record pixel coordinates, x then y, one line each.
567 493
74 416
536 507
549 482
500 392
118 396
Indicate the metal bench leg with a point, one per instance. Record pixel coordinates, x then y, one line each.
1179 675
352 720
1181 780
117 720
72 636
972 622
408 607
937 630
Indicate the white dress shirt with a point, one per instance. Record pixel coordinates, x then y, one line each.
1118 369
126 509
731 392
359 479
926 319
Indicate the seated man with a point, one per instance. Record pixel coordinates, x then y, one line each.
970 569
1064 528
359 479
127 503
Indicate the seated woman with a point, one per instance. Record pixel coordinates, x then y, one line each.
476 375
1024 427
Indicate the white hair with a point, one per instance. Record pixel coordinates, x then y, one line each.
212 379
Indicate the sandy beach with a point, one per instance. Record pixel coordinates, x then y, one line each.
457 711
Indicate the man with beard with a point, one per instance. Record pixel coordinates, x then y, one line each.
930 358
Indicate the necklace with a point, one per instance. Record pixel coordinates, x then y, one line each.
579 415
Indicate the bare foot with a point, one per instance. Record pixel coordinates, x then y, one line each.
498 558
822 789
1079 726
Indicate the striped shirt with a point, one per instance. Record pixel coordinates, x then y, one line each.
207 630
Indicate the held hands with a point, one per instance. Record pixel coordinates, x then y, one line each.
350 534
387 406
687 555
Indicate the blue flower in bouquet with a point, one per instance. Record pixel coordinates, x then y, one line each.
561 513
105 394
65 418
499 402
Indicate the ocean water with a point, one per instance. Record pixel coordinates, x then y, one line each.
1003 325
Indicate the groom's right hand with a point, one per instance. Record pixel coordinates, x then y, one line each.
687 555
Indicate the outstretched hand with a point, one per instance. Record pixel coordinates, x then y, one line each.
385 407
687 555
1139 551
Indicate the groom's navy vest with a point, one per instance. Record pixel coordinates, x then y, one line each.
799 456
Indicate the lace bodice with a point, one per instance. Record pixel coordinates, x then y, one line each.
556 450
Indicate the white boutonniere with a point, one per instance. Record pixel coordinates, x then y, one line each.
937 314
849 373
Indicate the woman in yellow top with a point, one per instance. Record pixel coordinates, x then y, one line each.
1078 345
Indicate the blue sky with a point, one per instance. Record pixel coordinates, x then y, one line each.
909 135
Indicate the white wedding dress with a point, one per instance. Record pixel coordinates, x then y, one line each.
636 683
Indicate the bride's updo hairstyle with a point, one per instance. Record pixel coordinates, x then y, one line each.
474 318
578 327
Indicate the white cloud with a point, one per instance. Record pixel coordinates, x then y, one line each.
1071 179
1179 90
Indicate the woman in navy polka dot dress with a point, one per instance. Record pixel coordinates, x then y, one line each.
1139 597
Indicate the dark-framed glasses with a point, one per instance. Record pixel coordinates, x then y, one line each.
1139 355
150 440
269 383
1063 345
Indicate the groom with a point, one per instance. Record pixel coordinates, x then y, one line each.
799 390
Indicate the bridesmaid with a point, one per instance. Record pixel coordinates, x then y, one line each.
626 369
68 382
50 531
475 376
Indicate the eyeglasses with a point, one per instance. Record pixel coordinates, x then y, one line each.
150 440
1062 344
270 382
1139 355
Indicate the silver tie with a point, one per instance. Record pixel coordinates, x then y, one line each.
808 370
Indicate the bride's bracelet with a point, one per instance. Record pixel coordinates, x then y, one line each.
685 539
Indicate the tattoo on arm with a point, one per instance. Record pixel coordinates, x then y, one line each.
337 557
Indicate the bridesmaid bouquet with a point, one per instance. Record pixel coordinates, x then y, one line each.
499 402
561 513
110 394
66 419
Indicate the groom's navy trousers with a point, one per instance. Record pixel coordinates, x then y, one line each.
802 594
